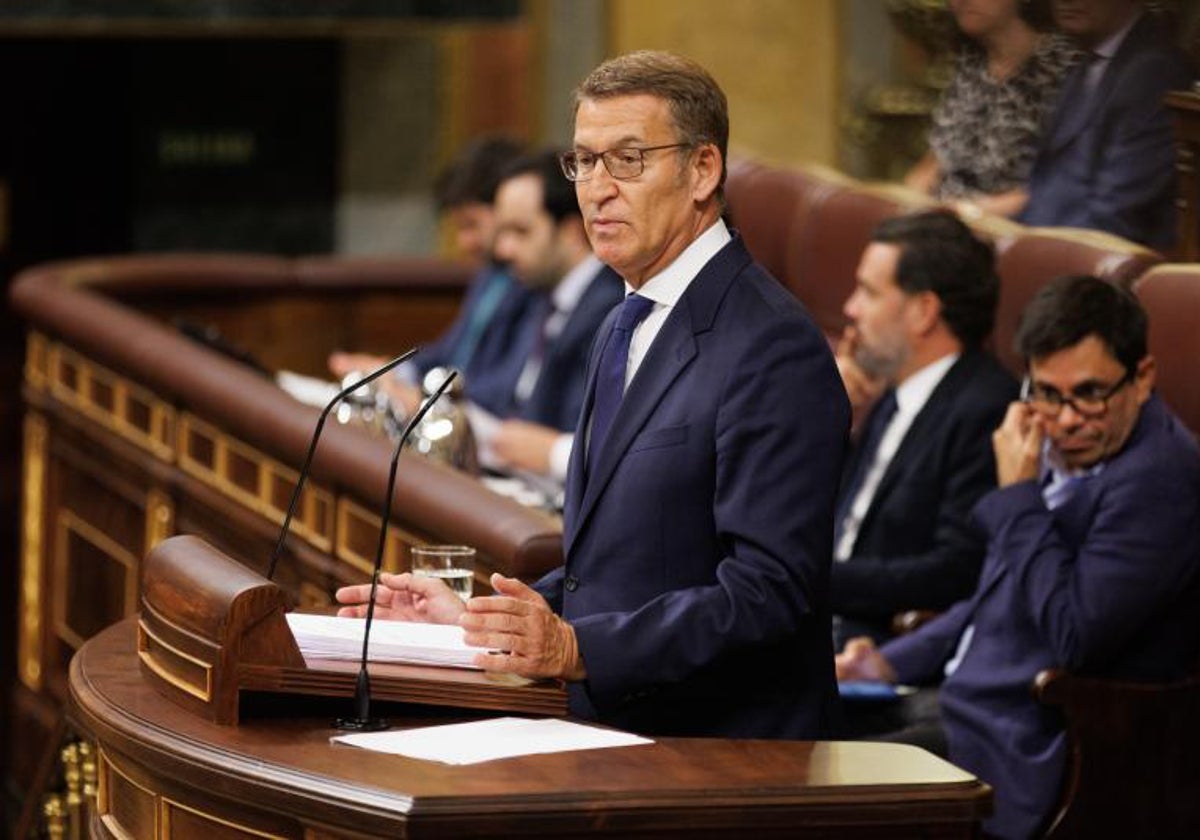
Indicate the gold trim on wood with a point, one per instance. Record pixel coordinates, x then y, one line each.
79 382
166 803
54 812
160 518
37 350
69 523
224 464
395 551
32 545
147 656
104 798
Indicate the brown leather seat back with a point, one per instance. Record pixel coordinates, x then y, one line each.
1035 256
767 205
828 242
1171 295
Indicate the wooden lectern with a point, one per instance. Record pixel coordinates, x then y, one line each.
211 628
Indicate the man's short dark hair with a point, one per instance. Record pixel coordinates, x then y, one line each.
472 177
940 254
698 105
1066 311
558 194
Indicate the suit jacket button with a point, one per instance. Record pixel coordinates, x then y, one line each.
571 583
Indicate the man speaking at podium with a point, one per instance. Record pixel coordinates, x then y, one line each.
700 494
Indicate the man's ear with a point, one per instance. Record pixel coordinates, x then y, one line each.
706 168
925 310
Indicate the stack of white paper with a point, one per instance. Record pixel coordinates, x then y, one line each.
407 642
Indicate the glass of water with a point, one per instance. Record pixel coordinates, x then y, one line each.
453 564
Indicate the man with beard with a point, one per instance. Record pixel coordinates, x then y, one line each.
924 303
1093 560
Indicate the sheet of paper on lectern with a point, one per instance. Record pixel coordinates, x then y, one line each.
405 642
488 740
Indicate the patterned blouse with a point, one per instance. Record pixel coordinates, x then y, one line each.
985 133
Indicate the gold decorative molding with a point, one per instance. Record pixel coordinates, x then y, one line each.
160 518
162 806
124 408
37 360
358 539
32 543
166 804
253 479
54 811
149 642
67 524
108 771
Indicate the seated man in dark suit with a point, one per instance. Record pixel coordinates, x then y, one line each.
541 239
925 302
1107 160
478 340
536 356
1093 560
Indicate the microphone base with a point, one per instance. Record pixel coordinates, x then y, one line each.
370 724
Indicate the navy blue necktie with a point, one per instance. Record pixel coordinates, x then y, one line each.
610 375
877 423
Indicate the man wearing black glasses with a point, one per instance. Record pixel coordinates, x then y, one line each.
1093 558
698 521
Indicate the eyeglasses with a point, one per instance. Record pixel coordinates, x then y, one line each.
1089 401
622 163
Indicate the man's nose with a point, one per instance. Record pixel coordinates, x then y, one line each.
1069 416
601 184
850 307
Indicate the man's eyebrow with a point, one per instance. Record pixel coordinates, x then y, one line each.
621 143
1087 383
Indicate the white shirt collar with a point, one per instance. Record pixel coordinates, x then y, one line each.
668 285
1107 48
570 289
914 392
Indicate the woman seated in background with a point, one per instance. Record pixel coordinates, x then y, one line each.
986 128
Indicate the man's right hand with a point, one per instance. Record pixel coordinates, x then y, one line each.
861 660
403 597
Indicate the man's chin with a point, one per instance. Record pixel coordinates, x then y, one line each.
1079 457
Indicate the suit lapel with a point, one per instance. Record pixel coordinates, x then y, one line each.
913 444
673 350
1075 108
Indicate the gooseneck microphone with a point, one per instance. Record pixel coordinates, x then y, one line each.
362 721
312 448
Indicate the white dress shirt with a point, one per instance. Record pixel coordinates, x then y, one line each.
911 396
668 286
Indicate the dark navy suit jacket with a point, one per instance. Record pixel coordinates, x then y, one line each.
488 376
1111 165
917 547
557 395
1106 584
697 554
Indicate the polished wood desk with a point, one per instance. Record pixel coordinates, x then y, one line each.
166 773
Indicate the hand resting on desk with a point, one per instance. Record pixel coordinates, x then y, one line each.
519 632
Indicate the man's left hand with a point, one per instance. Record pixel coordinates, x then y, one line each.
521 633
